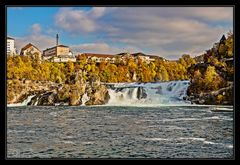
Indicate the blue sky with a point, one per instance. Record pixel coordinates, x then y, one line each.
164 31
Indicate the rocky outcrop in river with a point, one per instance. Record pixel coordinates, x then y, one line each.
223 96
50 94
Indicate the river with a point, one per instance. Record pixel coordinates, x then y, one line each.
119 132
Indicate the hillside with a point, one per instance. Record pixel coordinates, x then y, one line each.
212 78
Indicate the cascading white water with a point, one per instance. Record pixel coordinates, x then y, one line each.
171 92
85 98
24 103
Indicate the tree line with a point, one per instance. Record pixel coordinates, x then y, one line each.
217 69
129 70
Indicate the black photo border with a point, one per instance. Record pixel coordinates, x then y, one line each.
150 3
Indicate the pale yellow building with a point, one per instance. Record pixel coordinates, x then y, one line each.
56 51
30 49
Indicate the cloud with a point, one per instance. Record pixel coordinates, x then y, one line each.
212 13
165 36
97 12
77 21
164 31
101 48
36 28
170 31
36 38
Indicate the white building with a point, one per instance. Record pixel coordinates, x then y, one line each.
11 50
63 58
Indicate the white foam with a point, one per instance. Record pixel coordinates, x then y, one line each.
87 142
191 138
24 103
229 146
68 142
209 142
53 114
85 98
188 140
157 139
162 93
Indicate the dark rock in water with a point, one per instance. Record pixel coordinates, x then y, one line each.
34 100
111 86
49 98
169 88
159 90
119 89
130 92
141 93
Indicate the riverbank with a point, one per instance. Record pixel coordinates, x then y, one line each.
79 92
45 93
222 96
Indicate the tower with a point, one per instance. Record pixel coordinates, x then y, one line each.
57 40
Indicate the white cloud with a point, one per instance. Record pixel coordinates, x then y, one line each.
97 11
36 28
102 48
36 38
164 31
76 21
212 13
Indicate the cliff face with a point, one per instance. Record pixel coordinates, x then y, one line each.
223 96
17 90
50 94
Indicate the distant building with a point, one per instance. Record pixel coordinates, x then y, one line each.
121 56
63 58
58 53
144 57
55 51
99 57
30 49
11 50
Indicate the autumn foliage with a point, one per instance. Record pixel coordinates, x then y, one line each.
23 67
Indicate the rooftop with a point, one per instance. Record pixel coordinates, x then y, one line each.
28 46
98 55
142 54
57 46
9 38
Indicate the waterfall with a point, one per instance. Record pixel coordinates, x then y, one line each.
172 92
85 98
24 103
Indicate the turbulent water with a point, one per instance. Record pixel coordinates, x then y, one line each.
140 120
118 132
162 93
